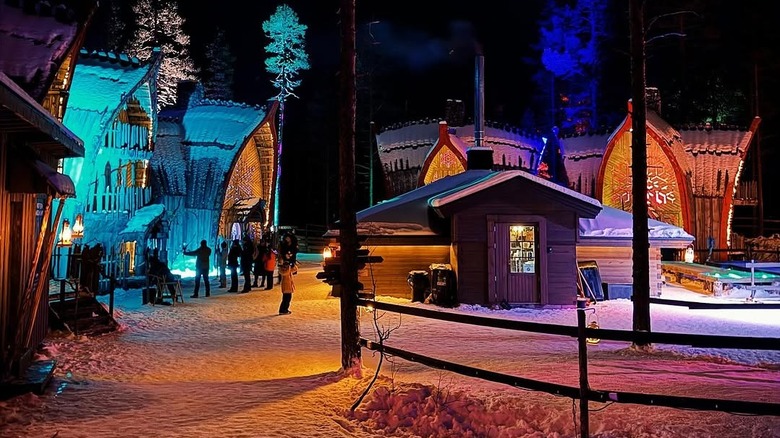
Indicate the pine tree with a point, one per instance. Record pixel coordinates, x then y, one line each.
115 34
570 38
288 57
219 73
158 24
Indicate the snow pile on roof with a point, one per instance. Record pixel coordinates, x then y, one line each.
32 47
142 218
612 222
218 123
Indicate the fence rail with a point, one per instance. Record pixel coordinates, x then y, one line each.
584 393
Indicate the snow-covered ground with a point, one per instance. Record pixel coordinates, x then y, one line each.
231 366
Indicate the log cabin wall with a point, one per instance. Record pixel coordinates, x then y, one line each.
390 275
557 274
616 267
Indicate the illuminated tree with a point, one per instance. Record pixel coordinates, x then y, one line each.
570 38
158 24
219 73
288 57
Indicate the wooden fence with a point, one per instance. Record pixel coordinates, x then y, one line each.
584 393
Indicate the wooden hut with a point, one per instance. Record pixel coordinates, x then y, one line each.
508 236
38 50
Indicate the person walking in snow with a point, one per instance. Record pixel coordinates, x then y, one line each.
233 255
247 253
286 270
202 265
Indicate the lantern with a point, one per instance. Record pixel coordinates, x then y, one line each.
78 227
65 234
327 253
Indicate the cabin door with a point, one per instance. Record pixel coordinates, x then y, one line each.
517 262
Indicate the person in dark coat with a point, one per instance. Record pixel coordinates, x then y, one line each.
258 270
202 263
289 244
233 255
247 253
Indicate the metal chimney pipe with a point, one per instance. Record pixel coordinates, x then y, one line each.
479 100
479 156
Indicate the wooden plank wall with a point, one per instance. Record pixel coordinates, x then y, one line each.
559 272
5 222
390 275
615 264
707 214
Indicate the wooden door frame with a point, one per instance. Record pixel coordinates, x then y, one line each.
541 222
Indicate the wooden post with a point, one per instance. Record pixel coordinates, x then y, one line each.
582 352
641 243
350 333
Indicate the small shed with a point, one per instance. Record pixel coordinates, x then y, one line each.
509 236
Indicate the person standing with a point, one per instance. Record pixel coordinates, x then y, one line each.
202 257
233 255
286 271
247 253
222 256
269 264
258 270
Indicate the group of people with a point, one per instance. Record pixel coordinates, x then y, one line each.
257 264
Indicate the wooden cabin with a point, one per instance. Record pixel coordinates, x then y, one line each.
31 142
112 107
509 237
214 170
38 50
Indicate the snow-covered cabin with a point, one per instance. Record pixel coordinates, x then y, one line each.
508 235
112 107
38 46
214 169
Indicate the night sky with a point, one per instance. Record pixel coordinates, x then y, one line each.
415 57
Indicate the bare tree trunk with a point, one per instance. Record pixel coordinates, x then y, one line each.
641 244
350 334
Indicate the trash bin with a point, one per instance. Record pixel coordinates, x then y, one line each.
418 281
443 287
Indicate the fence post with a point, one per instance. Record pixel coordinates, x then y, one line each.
582 352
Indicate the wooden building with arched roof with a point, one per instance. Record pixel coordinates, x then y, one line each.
112 107
214 169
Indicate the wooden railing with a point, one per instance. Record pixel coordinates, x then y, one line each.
582 333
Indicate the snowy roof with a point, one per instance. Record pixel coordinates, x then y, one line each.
141 219
224 124
168 160
715 156
204 140
16 101
34 44
412 213
411 210
411 144
102 84
612 223
496 178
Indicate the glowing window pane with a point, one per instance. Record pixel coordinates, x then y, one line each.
522 249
